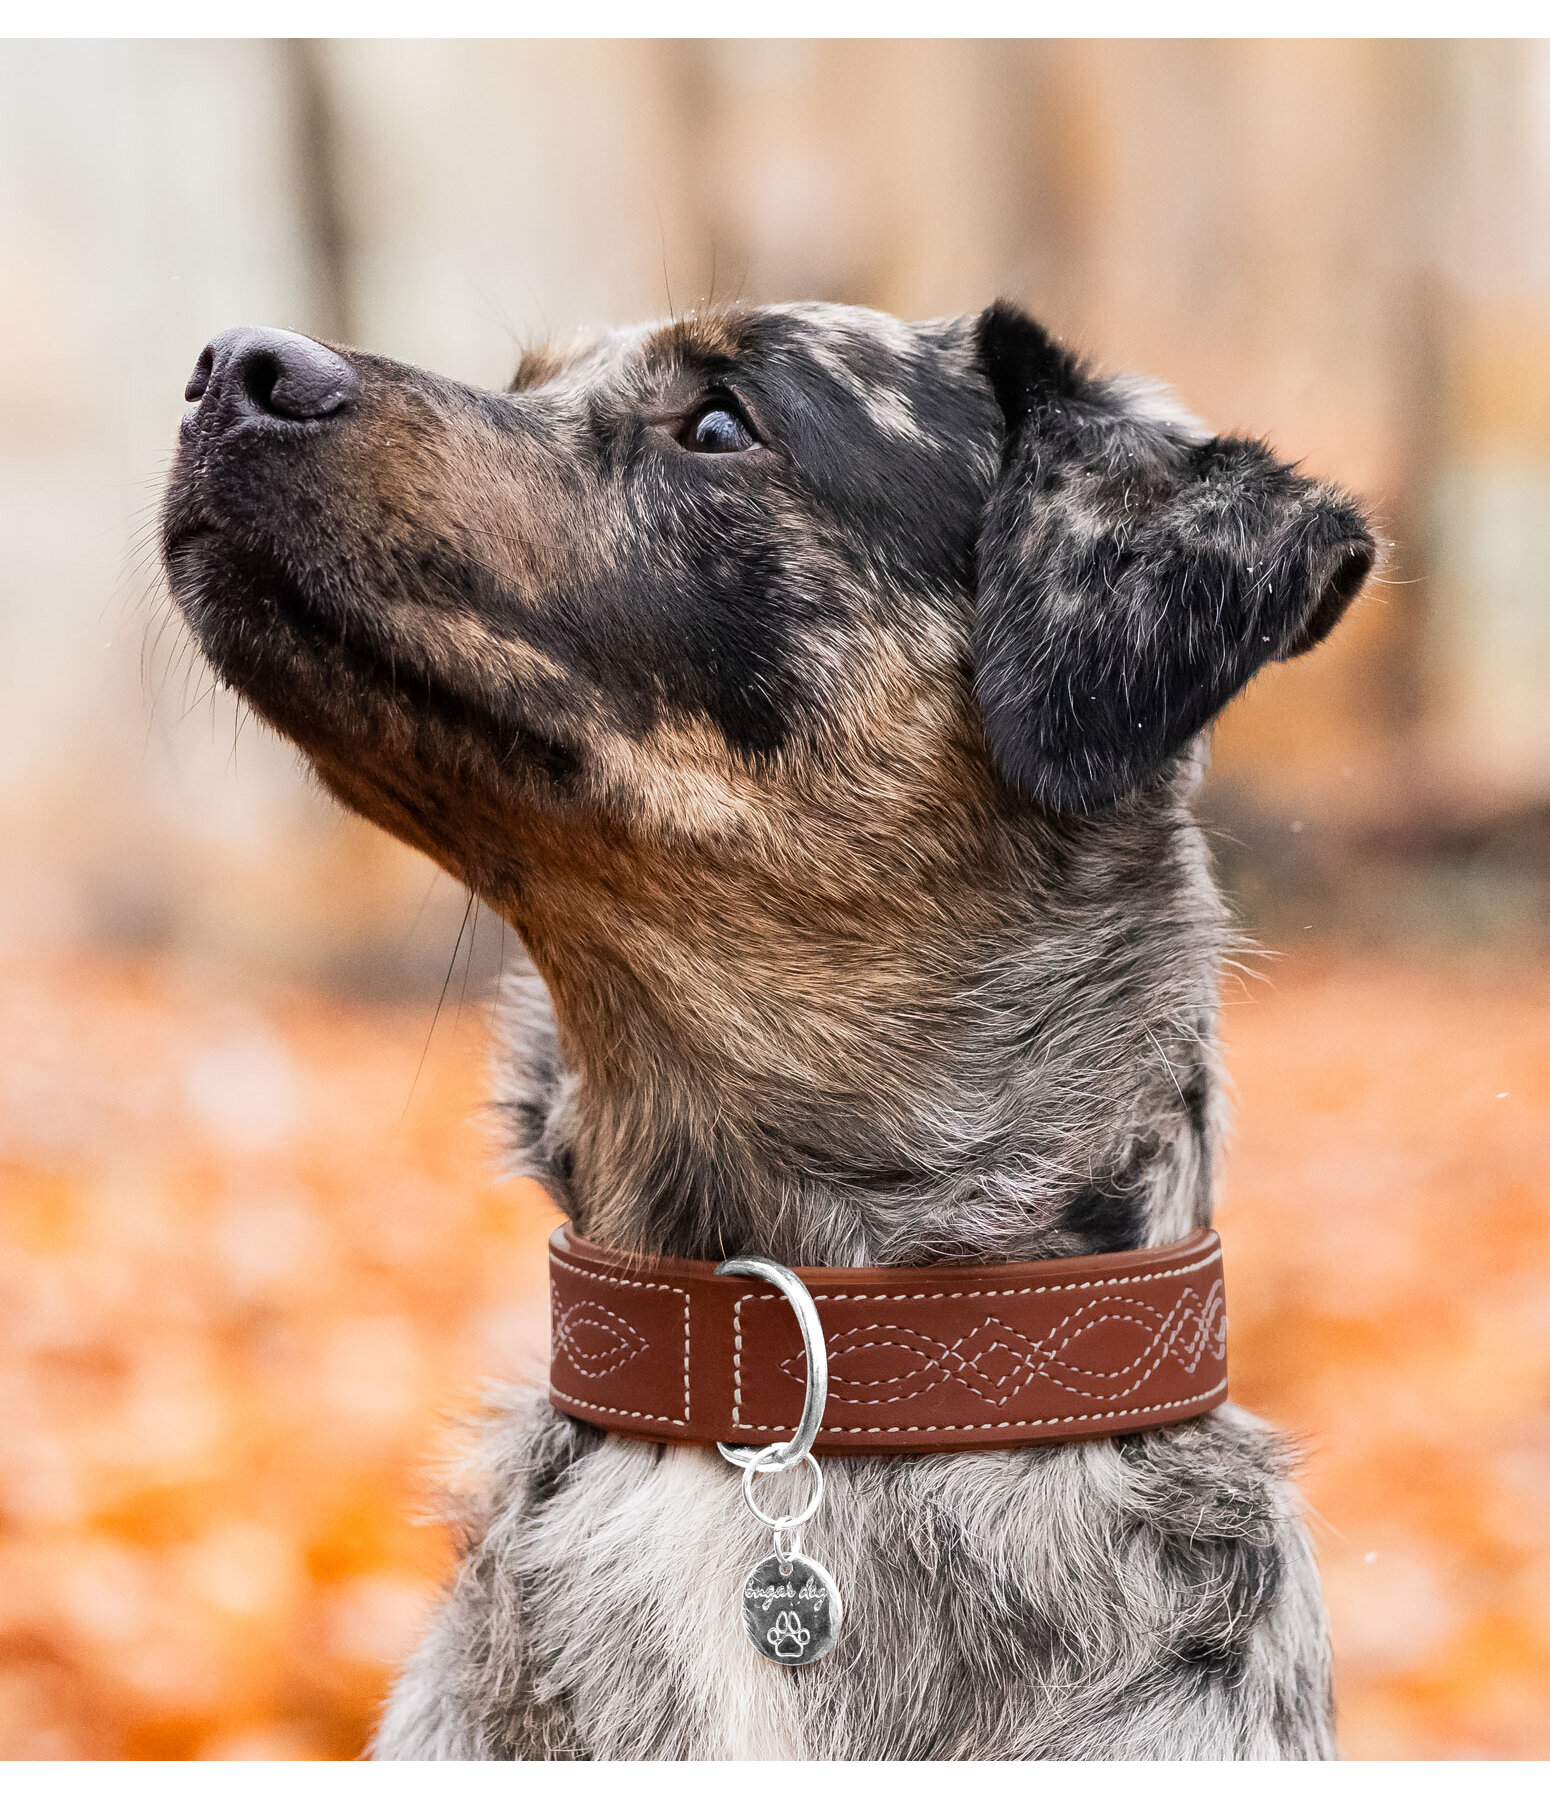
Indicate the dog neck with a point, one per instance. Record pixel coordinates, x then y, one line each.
1012 1057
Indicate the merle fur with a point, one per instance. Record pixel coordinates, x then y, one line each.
1134 576
840 792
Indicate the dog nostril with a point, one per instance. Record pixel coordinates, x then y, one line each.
278 374
200 379
259 374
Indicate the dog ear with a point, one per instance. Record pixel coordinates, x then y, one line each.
1133 573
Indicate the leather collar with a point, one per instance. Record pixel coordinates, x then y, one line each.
949 1357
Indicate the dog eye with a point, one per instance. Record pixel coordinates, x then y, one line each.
716 430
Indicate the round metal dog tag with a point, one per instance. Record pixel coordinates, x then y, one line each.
792 1610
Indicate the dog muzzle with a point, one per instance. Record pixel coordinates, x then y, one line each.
773 1364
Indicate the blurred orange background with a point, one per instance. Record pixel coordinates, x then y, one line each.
256 1261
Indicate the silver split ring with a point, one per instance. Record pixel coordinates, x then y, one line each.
786 1456
762 1466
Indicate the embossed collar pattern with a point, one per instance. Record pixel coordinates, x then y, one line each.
948 1357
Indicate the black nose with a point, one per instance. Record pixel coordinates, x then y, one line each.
279 373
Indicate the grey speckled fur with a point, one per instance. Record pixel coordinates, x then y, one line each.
1152 1597
821 698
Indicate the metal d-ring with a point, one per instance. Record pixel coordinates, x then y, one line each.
785 1456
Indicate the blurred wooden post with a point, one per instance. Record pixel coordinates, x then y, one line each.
1489 621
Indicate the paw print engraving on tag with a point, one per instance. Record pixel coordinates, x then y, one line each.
788 1637
791 1610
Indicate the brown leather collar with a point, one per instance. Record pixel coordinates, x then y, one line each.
950 1357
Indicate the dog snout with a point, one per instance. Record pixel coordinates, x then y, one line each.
261 372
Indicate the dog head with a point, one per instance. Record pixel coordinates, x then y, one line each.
677 568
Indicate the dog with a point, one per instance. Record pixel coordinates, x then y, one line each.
821 697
